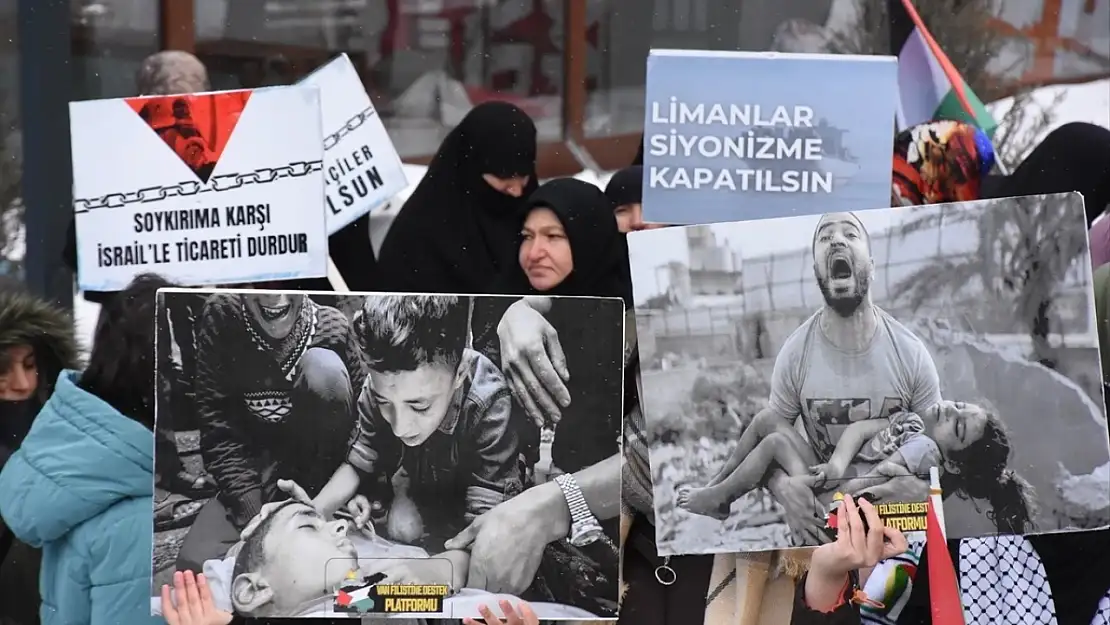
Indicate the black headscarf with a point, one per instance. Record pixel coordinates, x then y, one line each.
626 186
599 251
455 230
639 160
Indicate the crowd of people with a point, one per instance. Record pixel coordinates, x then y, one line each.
77 440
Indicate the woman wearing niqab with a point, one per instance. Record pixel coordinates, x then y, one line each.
461 223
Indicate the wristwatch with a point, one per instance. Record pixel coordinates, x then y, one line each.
584 528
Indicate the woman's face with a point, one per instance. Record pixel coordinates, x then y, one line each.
509 186
630 218
545 254
19 374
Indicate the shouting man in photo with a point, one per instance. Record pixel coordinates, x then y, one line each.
275 392
849 364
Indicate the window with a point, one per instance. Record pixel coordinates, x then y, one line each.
425 63
11 149
621 32
110 39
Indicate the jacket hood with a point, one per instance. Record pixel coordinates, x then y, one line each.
29 320
80 458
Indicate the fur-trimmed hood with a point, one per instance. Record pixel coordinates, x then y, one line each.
29 320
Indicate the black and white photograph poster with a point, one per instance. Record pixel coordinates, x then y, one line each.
383 454
789 361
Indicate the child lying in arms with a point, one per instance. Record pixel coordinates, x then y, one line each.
949 436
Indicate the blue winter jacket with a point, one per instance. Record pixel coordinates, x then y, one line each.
81 487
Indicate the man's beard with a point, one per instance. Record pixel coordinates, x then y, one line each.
845 305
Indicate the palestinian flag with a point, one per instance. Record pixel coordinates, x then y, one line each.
944 588
930 87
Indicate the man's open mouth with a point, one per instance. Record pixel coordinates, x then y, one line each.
273 313
840 268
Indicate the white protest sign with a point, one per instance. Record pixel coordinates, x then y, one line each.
361 167
207 188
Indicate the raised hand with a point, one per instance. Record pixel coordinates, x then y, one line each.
523 615
191 602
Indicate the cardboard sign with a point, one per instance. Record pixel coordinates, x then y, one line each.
395 397
206 188
361 167
855 352
737 135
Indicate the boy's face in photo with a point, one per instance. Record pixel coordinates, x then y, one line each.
414 402
305 558
274 313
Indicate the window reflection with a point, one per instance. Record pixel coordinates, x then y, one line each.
623 31
425 63
110 38
11 150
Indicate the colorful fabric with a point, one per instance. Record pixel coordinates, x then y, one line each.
940 162
891 584
929 86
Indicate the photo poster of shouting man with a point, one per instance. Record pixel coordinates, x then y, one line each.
790 361
372 453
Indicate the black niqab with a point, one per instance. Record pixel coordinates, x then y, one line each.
599 251
626 186
454 232
639 160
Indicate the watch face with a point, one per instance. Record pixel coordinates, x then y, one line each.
586 536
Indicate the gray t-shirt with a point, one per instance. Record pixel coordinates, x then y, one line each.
831 388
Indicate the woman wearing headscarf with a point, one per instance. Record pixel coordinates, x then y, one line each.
36 343
460 223
568 245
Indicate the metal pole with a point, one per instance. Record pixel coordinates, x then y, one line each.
44 92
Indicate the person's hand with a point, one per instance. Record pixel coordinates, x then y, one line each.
506 545
191 602
898 488
855 548
424 571
523 615
291 488
803 513
534 364
295 491
827 472
360 509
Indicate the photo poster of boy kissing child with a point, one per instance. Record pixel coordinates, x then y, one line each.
385 431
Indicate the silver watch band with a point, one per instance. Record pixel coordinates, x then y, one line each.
579 511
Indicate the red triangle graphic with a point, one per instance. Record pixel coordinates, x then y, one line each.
196 127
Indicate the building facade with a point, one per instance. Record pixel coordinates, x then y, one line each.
577 66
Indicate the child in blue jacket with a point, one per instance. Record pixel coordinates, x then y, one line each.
81 484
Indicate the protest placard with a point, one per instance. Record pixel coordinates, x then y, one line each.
855 351
385 393
361 168
736 135
207 188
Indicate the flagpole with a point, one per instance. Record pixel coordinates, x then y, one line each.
935 495
944 587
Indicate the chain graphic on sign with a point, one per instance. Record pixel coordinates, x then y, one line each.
352 124
224 182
